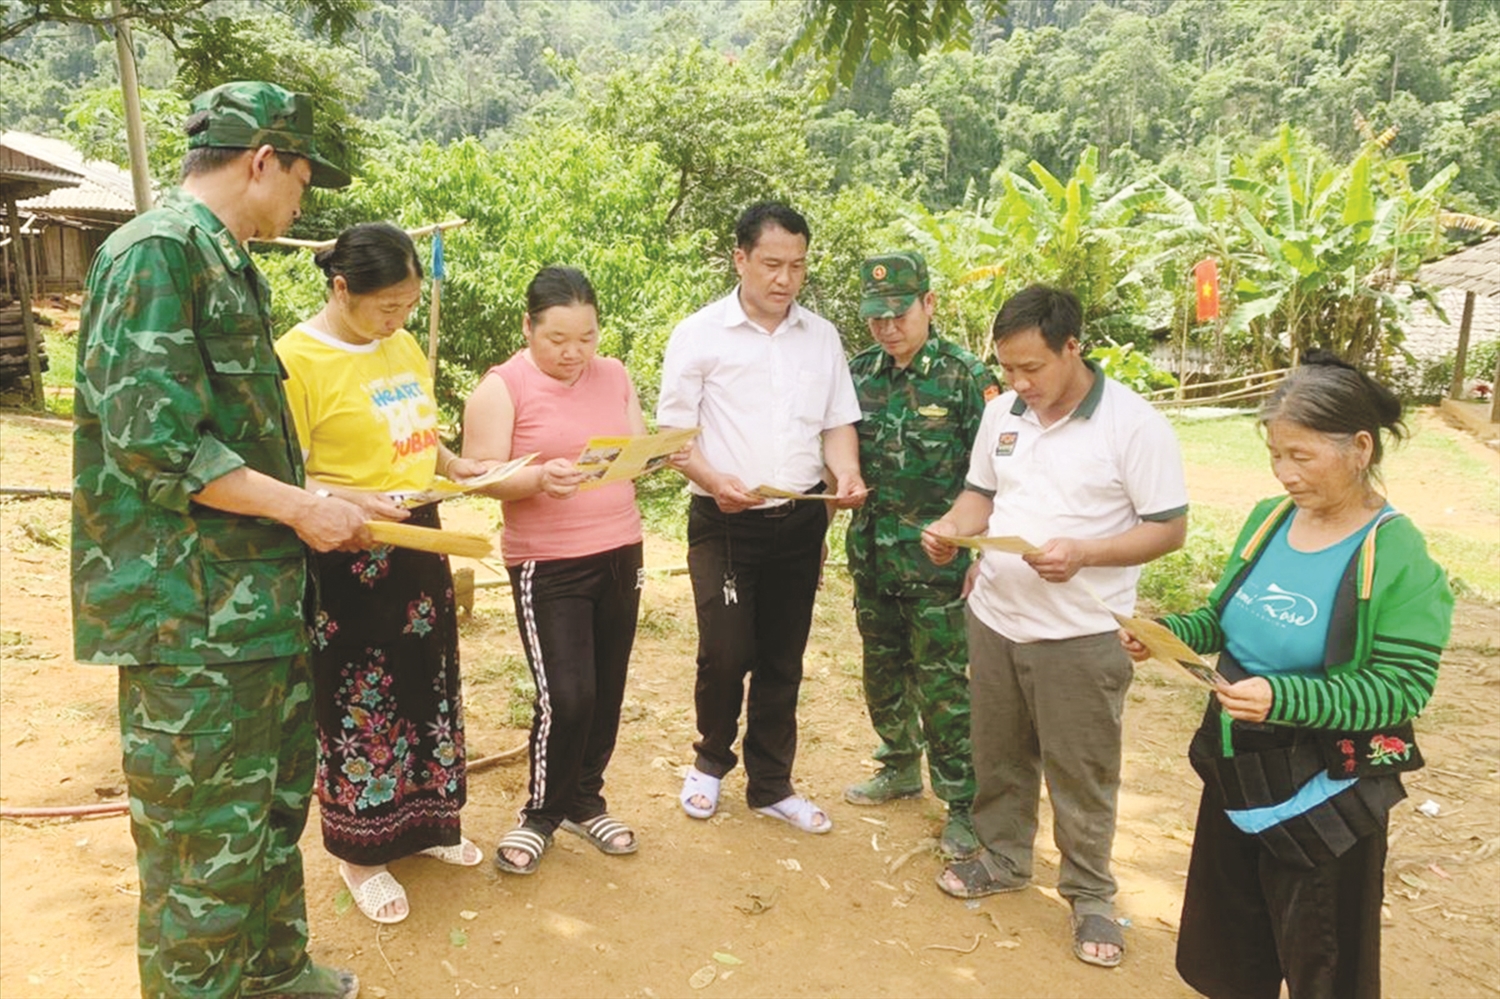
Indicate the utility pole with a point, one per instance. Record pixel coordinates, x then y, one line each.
135 130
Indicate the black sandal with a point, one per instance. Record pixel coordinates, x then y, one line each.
982 874
1097 929
601 830
522 839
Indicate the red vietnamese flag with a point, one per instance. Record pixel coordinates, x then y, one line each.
1206 280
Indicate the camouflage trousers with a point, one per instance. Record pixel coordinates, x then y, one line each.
219 764
917 686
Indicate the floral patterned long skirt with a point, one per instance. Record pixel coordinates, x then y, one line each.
390 777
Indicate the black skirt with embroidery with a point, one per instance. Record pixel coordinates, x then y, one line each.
390 777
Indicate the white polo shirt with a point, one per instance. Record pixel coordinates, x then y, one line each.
763 399
1098 472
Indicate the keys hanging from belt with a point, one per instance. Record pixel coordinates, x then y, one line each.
731 596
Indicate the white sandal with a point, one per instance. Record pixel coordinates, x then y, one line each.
456 854
799 812
375 893
699 783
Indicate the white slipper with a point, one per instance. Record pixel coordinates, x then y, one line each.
375 893
799 812
699 783
456 854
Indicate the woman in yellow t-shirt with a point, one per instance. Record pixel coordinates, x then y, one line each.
390 777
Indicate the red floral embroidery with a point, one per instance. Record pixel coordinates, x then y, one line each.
1387 749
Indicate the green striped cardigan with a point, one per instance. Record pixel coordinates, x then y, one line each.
1391 619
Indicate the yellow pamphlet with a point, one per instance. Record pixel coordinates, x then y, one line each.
999 543
771 492
442 488
618 459
1167 648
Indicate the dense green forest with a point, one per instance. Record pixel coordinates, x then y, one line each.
1318 149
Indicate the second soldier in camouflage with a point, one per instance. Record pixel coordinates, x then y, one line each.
921 398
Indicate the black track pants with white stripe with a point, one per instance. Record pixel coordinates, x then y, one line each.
577 621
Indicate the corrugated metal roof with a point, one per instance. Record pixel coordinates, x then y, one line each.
24 183
1475 268
104 189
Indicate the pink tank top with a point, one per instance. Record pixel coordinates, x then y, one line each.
557 420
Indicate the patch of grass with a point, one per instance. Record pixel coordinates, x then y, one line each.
62 359
1473 570
1232 442
1181 582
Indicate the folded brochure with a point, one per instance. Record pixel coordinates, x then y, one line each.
771 492
1166 647
1000 543
442 488
618 459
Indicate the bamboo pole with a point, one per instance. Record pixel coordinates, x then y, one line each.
1278 373
135 130
1461 358
438 273
1238 395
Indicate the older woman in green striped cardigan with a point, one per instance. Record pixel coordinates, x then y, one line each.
1329 622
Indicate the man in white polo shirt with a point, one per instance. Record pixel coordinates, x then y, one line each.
1084 468
768 383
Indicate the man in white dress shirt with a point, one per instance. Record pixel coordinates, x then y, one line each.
768 383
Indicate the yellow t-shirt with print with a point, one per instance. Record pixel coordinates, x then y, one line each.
365 413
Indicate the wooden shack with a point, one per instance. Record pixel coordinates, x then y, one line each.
63 227
21 177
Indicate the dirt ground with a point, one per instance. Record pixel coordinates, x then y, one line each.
740 905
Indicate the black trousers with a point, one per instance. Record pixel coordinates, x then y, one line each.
1250 921
755 577
577 621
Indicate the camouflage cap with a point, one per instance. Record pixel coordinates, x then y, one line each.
248 114
890 283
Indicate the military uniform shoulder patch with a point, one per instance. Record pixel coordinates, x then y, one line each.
932 412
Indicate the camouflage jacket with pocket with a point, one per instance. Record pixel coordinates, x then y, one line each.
178 384
916 427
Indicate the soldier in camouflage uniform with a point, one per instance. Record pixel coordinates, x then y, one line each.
189 557
921 398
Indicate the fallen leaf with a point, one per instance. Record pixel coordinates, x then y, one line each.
703 977
343 902
468 914
1412 881
458 938
724 958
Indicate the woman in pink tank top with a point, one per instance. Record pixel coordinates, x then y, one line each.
574 556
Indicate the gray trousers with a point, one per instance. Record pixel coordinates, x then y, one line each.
1049 709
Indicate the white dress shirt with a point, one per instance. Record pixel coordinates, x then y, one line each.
763 399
